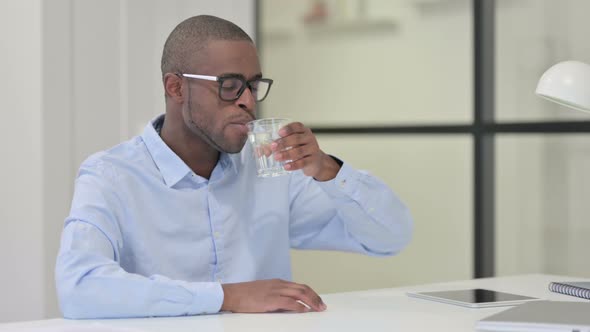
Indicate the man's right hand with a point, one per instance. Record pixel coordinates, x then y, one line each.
270 295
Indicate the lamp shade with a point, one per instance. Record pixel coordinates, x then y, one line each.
567 83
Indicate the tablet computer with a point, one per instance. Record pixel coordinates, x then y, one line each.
474 298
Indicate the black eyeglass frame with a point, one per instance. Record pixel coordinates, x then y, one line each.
223 78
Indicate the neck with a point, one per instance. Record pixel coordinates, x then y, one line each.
199 156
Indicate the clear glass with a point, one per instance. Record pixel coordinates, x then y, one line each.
433 176
531 36
261 134
543 186
368 62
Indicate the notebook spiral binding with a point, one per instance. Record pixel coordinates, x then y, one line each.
557 287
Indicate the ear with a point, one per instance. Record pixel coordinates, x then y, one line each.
173 87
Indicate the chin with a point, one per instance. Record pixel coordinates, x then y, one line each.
234 148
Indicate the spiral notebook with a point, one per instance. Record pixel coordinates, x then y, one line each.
577 288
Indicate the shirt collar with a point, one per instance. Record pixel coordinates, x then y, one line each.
228 162
172 168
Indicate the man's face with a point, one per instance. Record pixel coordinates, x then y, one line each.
220 123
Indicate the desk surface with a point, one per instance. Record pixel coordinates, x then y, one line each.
378 310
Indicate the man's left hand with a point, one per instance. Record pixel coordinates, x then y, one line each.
299 146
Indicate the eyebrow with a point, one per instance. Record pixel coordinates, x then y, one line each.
259 75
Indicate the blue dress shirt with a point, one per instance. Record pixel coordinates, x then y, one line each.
146 236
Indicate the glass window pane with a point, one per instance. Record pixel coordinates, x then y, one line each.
531 36
542 212
433 176
372 62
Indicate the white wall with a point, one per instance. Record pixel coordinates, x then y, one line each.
57 121
21 198
77 77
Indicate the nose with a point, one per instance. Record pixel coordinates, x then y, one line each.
247 100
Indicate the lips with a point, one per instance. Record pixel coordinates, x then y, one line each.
240 125
241 121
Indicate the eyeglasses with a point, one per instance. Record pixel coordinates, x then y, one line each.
232 86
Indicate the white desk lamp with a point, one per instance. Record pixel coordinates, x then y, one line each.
567 83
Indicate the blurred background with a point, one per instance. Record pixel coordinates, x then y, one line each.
495 176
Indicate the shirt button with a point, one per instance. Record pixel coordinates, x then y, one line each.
219 280
342 183
216 234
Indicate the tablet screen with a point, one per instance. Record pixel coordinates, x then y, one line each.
477 296
474 298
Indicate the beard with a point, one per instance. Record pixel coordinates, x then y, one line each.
218 143
202 129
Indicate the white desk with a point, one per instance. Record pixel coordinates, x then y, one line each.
372 310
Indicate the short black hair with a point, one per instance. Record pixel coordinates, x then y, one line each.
191 35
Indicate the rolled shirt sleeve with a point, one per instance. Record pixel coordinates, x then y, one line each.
366 216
